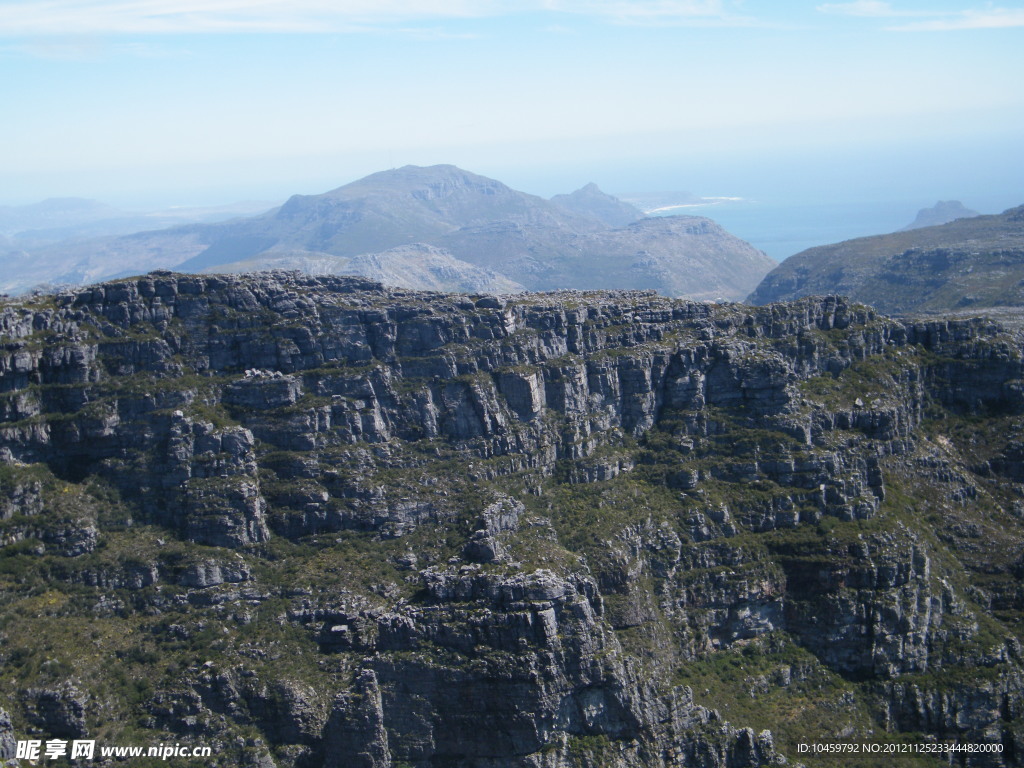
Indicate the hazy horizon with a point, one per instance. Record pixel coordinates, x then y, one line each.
777 226
159 104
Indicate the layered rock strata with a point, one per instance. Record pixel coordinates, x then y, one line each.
334 524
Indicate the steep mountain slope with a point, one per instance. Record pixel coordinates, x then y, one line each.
313 522
523 238
684 256
975 262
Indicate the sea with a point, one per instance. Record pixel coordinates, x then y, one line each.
782 229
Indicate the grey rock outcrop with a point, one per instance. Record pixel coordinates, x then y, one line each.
8 743
58 712
484 546
355 734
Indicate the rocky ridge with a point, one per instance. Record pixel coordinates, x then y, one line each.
966 264
329 523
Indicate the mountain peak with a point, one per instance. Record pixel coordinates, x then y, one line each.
415 174
591 202
423 182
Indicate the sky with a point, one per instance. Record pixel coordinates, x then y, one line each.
144 103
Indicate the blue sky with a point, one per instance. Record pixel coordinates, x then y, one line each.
159 102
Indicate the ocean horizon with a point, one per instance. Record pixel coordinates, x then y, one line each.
782 229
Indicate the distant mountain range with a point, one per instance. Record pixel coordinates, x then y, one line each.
66 218
942 212
55 213
967 263
486 234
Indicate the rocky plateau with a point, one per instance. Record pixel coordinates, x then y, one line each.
314 521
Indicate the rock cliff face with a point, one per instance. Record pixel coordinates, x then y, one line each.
315 521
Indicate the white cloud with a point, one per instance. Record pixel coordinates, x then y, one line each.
875 9
647 9
97 17
859 8
660 12
932 21
992 18
70 17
